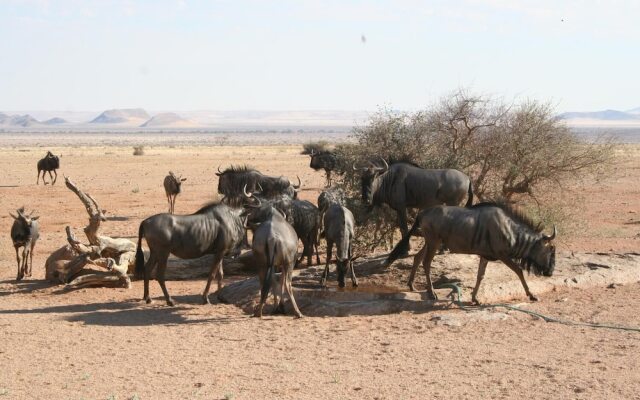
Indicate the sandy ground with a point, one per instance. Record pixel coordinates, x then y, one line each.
103 343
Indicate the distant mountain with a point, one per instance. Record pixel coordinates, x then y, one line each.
119 116
169 120
635 111
55 121
606 115
24 121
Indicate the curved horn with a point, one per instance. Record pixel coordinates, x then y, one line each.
312 153
553 235
386 166
244 190
299 183
14 216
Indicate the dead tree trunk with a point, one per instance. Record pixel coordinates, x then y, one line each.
115 257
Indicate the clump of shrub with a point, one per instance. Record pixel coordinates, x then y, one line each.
138 150
315 147
520 153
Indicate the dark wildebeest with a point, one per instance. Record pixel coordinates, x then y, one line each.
233 179
172 186
215 229
339 229
494 231
302 215
274 248
324 160
47 164
404 185
24 233
306 223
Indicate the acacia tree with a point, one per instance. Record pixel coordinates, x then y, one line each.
508 150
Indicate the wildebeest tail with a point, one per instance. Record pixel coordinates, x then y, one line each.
403 246
139 272
470 200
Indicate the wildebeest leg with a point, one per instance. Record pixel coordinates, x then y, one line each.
315 245
354 280
30 258
515 268
417 259
148 267
481 269
426 264
265 283
325 274
215 271
56 177
286 276
169 202
162 267
402 221
38 178
279 304
19 276
328 174
51 178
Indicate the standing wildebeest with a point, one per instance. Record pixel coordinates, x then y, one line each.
274 248
306 223
339 229
215 229
302 215
494 231
172 185
233 179
324 160
47 164
24 233
404 185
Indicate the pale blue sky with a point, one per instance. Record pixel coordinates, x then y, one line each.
297 55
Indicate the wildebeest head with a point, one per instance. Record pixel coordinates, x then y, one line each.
369 174
22 224
51 161
542 256
258 210
176 180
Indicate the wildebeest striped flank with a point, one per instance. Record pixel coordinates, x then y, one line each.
494 231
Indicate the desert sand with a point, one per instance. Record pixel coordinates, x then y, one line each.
104 343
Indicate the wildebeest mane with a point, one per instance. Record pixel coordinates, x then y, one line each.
208 206
515 213
239 169
403 160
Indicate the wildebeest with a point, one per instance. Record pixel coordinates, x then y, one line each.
302 215
404 185
172 186
24 233
47 164
214 229
306 223
324 160
233 179
339 229
274 248
494 231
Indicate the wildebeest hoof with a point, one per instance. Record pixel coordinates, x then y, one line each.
299 315
432 296
171 303
355 284
533 298
412 288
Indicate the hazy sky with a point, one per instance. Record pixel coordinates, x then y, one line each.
297 55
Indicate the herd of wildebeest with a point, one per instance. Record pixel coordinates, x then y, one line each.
269 207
